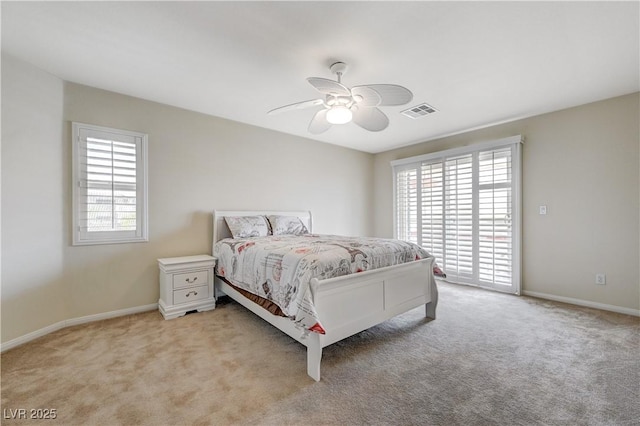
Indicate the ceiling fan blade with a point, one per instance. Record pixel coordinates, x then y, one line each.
329 87
371 119
319 123
297 105
390 94
369 97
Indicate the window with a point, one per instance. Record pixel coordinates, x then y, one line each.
463 206
109 185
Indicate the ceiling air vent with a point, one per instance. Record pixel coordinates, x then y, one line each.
419 111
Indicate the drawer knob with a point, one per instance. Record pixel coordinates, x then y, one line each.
191 281
195 293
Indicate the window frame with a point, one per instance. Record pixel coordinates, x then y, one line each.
417 162
141 233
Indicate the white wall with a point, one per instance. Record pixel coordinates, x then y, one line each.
32 201
197 163
582 163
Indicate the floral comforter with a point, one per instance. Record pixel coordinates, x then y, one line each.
280 268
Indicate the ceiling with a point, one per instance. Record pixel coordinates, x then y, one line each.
477 63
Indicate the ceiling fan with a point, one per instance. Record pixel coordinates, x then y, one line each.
341 105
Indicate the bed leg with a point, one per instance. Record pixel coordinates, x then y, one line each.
314 355
431 310
431 306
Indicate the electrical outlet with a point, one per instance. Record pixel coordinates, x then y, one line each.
543 209
601 279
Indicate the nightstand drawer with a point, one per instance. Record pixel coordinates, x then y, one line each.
190 279
190 294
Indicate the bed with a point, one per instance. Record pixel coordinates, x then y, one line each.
346 304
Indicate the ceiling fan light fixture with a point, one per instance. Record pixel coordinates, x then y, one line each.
343 105
339 114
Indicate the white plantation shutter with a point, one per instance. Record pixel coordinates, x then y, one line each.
459 217
109 184
110 198
407 211
495 213
432 209
467 208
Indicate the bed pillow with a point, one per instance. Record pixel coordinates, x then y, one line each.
247 226
287 225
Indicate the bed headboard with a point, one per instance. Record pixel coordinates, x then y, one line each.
221 230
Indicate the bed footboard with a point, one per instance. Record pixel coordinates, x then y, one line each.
353 303
350 304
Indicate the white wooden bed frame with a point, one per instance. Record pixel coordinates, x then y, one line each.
348 304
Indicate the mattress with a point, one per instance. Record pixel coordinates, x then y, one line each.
280 268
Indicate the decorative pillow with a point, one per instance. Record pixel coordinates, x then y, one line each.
247 226
287 225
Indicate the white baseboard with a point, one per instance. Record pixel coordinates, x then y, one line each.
74 321
586 303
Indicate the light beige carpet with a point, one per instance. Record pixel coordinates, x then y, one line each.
489 358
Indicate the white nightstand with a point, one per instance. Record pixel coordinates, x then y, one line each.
186 284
